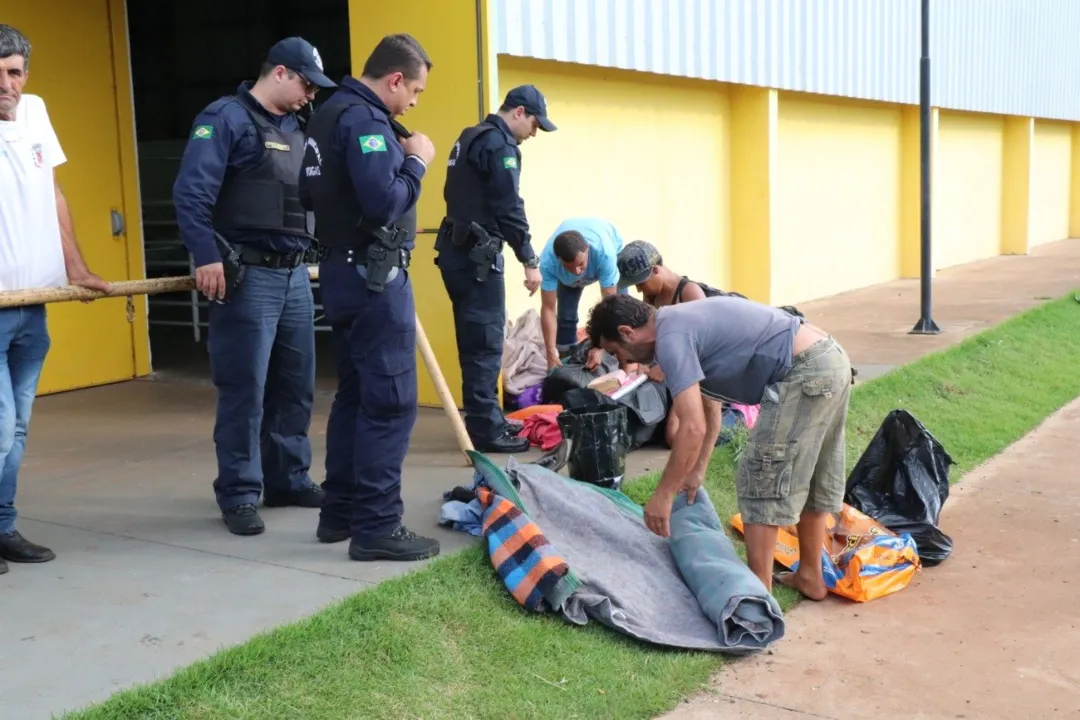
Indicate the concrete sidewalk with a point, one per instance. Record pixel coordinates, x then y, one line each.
117 480
993 632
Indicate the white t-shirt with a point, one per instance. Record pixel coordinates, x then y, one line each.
31 254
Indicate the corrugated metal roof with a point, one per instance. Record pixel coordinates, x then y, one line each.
1002 56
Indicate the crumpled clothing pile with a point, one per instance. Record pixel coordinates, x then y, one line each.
523 363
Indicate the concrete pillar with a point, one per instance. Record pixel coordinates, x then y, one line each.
754 161
1016 181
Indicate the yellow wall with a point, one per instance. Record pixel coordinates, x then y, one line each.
609 159
778 195
93 343
967 187
838 190
447 29
1051 177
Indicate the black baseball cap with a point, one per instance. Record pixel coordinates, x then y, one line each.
636 262
300 56
528 97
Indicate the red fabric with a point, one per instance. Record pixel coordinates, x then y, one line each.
542 429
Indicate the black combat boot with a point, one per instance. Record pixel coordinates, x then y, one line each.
508 442
243 520
310 496
327 533
402 544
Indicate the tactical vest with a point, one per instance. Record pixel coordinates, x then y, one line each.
338 218
466 199
266 195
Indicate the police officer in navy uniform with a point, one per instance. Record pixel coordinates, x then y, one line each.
240 216
361 178
484 209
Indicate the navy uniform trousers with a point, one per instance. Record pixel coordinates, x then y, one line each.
480 327
262 361
375 408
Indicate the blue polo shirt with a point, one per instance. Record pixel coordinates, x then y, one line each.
604 241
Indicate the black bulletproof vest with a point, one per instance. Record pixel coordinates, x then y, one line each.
464 193
338 218
266 195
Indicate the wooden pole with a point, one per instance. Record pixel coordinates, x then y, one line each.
155 286
435 373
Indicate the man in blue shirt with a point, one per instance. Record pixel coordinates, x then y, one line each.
580 252
238 182
361 177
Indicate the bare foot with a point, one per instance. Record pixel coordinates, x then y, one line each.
810 589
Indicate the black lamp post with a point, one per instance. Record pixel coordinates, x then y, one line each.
926 324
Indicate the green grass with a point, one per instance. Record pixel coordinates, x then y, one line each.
448 641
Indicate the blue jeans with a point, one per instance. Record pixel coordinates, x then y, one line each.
375 408
24 343
262 361
567 300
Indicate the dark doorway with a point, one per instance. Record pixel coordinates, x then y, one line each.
183 57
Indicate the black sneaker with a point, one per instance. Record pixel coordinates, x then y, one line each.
402 544
308 497
556 458
243 520
17 549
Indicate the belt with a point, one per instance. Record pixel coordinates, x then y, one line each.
349 253
271 259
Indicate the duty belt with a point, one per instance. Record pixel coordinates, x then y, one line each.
351 252
270 258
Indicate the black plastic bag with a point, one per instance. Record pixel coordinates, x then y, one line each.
598 442
902 481
572 373
646 407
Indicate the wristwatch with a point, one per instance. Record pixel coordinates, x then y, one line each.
533 262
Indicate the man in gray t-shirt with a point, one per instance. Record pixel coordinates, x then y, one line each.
730 348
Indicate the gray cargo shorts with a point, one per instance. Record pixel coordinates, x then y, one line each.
795 458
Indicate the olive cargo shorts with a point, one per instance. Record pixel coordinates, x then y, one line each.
795 458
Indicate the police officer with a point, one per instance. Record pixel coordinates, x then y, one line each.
483 210
361 177
239 214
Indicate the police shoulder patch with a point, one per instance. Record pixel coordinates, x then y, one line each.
510 162
202 132
372 143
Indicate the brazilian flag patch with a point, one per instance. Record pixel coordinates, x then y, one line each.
372 143
203 132
510 163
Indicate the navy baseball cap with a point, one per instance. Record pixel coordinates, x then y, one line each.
528 97
636 262
300 56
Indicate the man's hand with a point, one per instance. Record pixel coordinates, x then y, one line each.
210 280
656 374
532 280
420 145
692 483
553 360
594 357
658 513
90 281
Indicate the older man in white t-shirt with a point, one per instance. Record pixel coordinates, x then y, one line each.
37 249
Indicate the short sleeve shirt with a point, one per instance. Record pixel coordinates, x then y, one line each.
604 242
31 254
